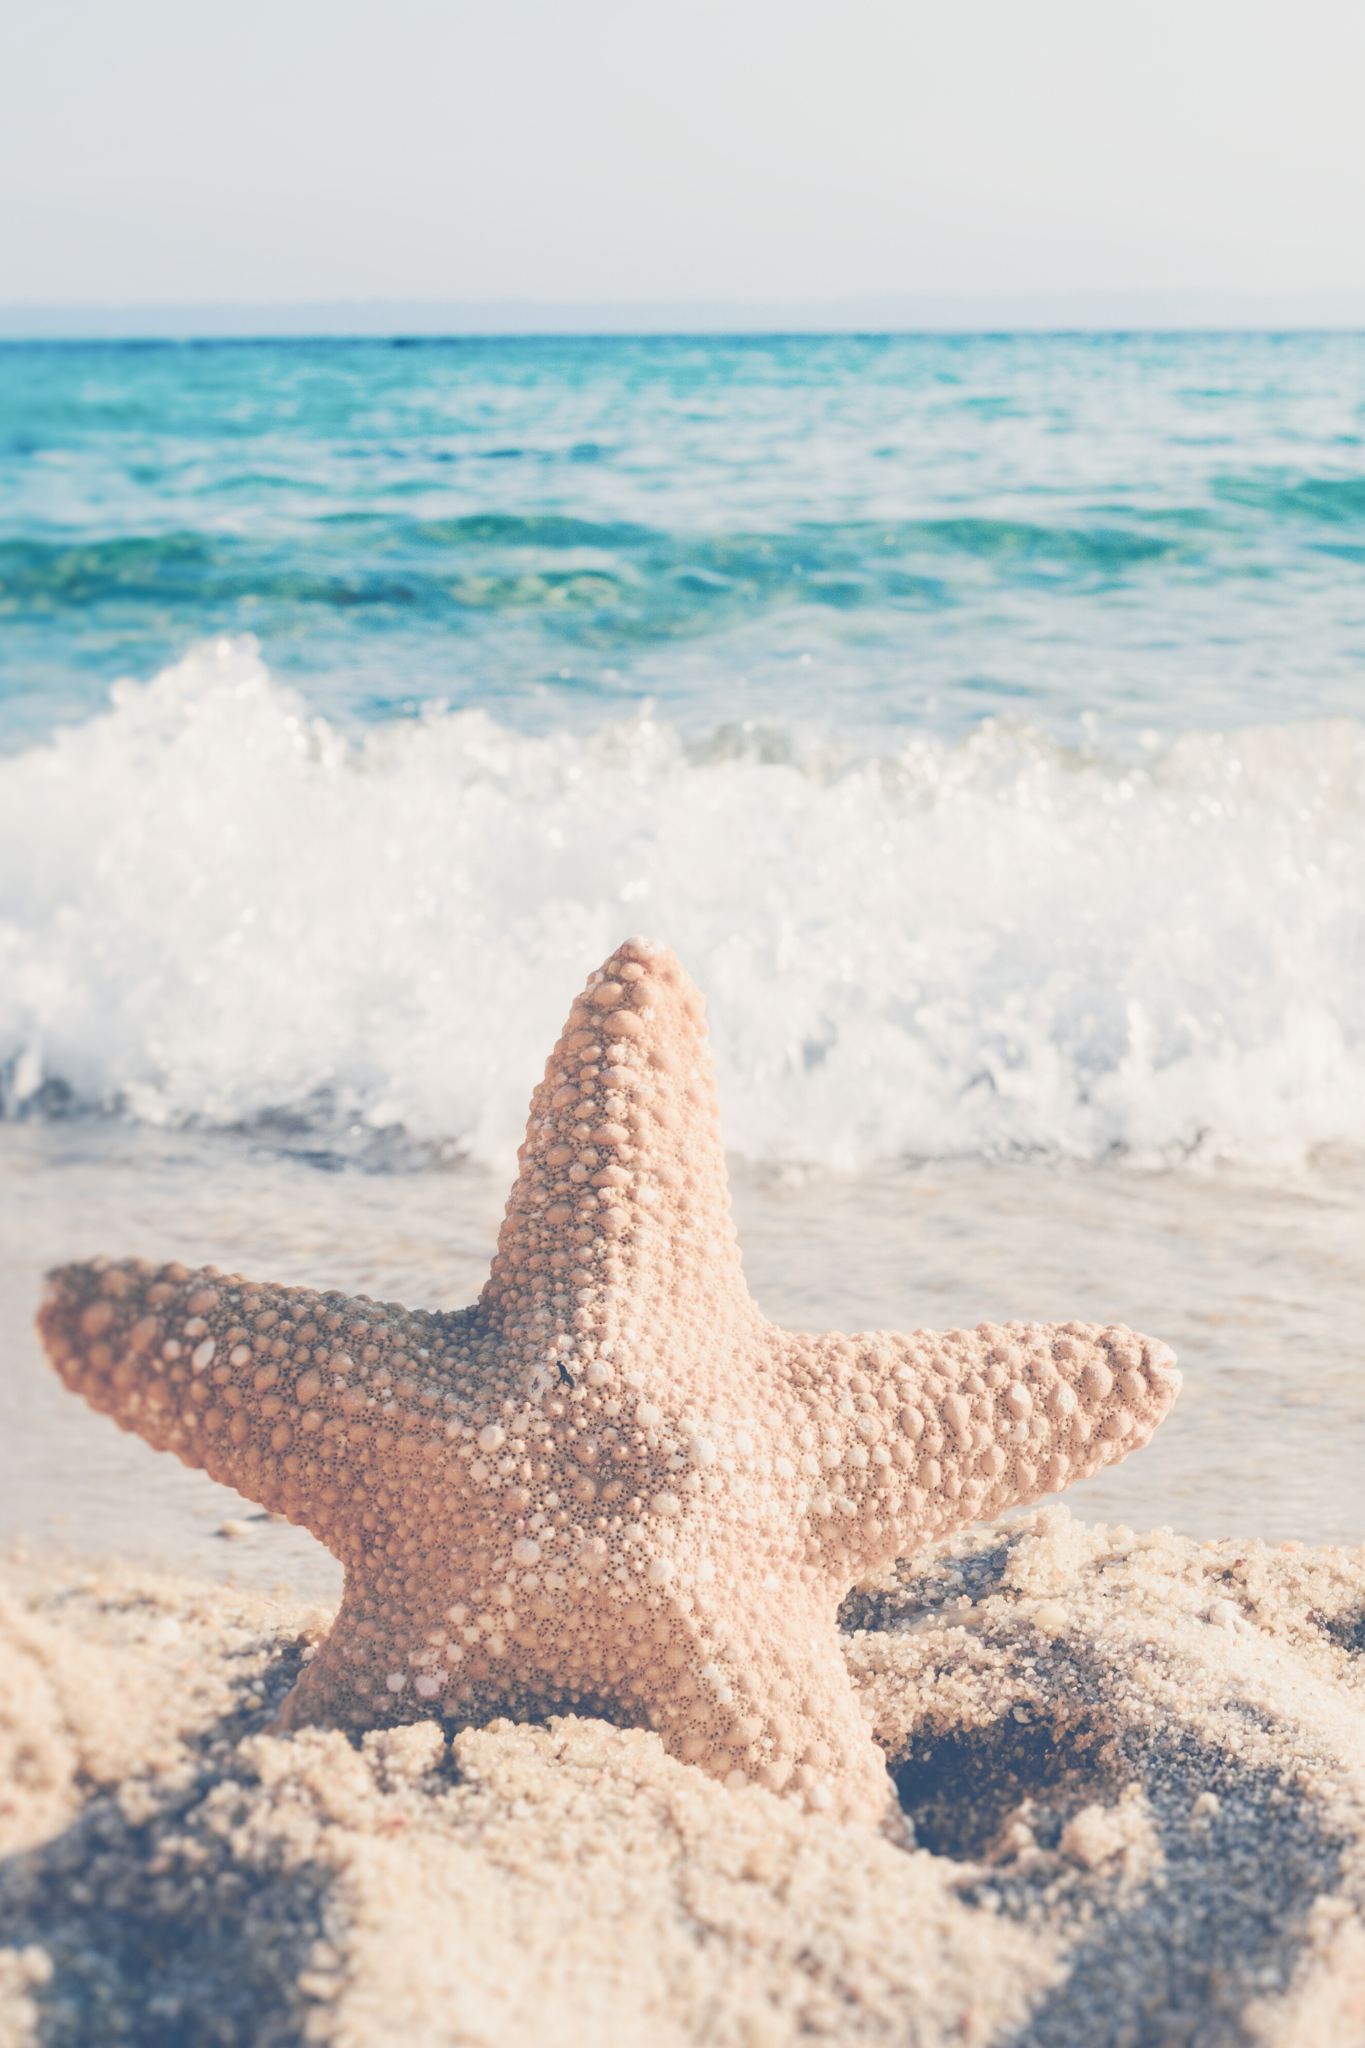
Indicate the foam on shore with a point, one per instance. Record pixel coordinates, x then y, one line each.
216 908
1135 1768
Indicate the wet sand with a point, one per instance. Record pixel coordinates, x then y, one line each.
1131 1776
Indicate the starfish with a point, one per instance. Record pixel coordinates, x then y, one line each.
610 1481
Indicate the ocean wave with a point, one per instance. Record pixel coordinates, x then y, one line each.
216 906
638 583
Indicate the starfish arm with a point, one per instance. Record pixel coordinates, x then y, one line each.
906 1438
301 1402
763 1696
618 1243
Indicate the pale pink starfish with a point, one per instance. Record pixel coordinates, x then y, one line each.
611 1480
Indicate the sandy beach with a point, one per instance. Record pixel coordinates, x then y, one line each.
1131 1768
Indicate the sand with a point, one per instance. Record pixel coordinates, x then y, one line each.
1132 1768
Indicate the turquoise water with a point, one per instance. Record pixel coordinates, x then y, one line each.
979 717
829 537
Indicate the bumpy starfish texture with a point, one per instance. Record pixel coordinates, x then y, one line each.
610 1481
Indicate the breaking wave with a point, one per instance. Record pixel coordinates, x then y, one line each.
215 906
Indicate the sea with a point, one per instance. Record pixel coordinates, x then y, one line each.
981 718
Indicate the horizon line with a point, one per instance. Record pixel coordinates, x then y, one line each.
508 318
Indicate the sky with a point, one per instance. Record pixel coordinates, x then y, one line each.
299 150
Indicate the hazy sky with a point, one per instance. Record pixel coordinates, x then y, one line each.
798 149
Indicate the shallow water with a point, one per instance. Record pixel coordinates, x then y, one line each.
857 538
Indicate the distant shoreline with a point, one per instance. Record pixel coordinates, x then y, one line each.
1096 313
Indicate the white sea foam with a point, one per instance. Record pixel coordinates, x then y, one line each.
214 906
